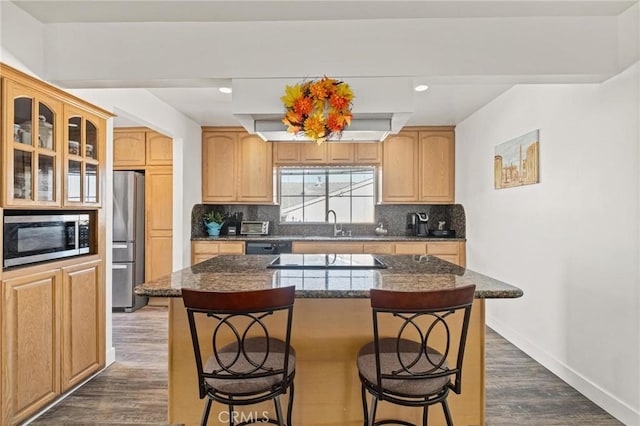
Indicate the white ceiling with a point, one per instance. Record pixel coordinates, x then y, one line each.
263 34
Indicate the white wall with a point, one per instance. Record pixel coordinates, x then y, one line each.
571 241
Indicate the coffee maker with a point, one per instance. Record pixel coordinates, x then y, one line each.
417 224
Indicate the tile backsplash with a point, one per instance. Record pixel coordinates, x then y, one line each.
393 216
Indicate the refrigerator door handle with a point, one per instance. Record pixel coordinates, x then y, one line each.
118 266
116 246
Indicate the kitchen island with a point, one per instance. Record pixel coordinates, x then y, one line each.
332 319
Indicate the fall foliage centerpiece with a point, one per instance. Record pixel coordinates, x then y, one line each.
318 109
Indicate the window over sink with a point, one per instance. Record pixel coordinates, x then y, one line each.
307 194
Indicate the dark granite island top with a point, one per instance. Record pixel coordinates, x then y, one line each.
407 272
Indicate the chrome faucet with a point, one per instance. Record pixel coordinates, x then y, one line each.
337 229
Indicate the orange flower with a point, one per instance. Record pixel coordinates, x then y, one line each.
335 122
303 106
318 91
338 102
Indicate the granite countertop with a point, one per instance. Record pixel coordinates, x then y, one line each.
325 238
243 273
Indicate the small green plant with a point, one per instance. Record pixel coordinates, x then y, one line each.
212 216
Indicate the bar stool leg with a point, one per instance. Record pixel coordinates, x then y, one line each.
374 406
365 409
276 401
231 416
205 413
425 415
447 414
290 405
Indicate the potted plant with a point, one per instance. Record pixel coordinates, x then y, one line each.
213 221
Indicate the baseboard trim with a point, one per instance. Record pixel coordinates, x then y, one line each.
110 356
618 409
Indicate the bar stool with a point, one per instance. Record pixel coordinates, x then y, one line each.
423 361
254 366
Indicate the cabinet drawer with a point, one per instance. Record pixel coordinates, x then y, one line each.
205 247
310 247
442 248
411 248
236 247
378 248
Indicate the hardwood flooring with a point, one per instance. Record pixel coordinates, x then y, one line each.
134 389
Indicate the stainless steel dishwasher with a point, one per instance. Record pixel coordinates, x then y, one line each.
267 247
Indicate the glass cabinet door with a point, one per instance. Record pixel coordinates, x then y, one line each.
82 152
32 159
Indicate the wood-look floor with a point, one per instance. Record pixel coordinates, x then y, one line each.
134 389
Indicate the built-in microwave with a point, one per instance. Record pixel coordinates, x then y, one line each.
38 237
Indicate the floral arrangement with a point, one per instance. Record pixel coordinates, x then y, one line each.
318 108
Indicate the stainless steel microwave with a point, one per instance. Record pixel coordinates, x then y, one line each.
38 237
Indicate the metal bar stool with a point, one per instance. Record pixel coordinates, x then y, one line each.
247 365
423 361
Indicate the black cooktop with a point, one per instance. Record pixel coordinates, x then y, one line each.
326 261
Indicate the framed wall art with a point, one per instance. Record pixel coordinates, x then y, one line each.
516 161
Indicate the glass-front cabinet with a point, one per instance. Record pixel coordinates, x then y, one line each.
82 157
32 158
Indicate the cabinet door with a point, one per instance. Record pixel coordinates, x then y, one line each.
129 149
400 168
83 323
411 248
33 135
31 344
255 170
159 150
310 247
368 153
311 153
450 251
340 152
286 153
159 222
219 167
378 248
437 166
85 135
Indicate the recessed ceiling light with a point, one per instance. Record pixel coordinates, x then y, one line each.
225 89
421 88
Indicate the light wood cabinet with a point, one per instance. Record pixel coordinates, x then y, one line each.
236 168
135 148
453 251
31 344
53 145
418 166
204 250
83 326
129 148
329 153
400 171
158 222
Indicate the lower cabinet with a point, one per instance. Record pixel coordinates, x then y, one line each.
31 344
83 325
52 336
203 250
451 251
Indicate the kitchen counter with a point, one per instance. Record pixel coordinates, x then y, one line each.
242 273
331 321
325 238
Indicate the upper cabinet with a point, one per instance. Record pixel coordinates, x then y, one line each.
53 145
306 153
418 166
138 147
236 167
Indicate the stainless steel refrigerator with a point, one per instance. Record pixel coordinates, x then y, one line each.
128 240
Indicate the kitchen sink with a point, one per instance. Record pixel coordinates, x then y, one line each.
327 261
